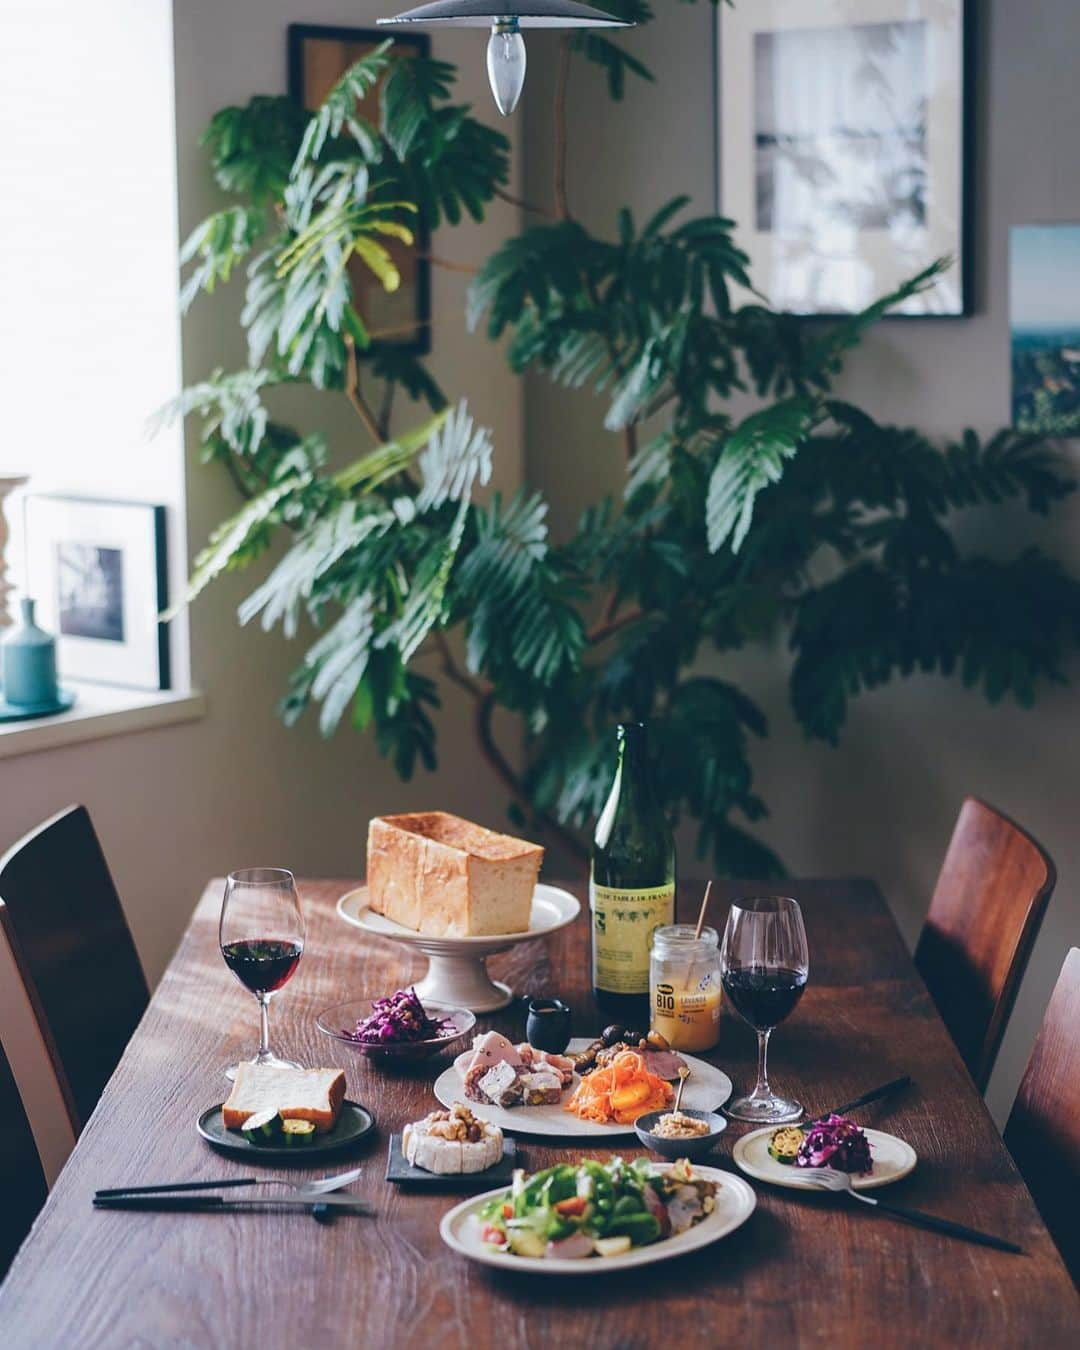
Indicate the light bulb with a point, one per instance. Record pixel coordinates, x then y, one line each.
506 64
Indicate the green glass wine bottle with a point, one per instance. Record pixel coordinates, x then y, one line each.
631 883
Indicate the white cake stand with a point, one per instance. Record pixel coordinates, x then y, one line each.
457 967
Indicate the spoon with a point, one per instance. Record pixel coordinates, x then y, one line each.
684 1074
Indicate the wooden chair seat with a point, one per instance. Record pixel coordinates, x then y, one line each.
22 1181
987 907
73 949
1043 1132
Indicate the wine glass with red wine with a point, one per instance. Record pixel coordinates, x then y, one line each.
262 940
764 965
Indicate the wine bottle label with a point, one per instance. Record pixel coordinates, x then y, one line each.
623 923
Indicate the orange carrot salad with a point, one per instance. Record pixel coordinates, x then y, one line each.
620 1092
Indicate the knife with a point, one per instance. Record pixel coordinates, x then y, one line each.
222 1204
864 1100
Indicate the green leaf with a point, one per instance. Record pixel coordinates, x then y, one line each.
218 243
252 148
457 455
753 458
339 660
238 540
338 110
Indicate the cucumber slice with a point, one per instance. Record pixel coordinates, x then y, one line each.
260 1127
784 1144
300 1132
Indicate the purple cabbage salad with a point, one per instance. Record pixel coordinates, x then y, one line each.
399 1017
836 1142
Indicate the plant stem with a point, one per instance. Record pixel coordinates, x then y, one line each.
562 210
449 265
353 394
491 752
484 696
505 196
237 478
611 626
630 441
389 389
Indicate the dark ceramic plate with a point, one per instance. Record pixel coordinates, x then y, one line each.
404 1173
354 1123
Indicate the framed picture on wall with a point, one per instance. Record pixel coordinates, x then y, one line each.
318 57
1044 325
97 570
844 138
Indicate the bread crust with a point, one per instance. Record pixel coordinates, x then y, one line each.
437 874
239 1105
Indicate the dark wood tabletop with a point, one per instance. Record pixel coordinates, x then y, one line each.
805 1270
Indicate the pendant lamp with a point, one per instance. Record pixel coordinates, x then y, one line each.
506 18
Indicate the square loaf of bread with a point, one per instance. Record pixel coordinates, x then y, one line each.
296 1094
444 876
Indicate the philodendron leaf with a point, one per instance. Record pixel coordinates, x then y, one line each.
752 458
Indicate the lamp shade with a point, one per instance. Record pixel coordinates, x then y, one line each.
526 13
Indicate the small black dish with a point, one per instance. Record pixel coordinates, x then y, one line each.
400 1171
548 1025
354 1123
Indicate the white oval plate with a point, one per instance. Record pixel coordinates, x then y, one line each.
735 1202
706 1089
552 909
892 1159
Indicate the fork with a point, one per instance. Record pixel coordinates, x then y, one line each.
829 1179
302 1188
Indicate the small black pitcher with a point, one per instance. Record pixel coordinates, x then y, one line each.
548 1025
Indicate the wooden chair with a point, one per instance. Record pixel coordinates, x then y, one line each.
1043 1133
71 943
22 1182
988 904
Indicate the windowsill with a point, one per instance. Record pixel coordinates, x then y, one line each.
99 711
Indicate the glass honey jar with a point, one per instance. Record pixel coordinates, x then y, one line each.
685 994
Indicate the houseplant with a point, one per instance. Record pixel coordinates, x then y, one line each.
806 515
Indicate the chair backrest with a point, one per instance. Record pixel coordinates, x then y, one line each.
22 1181
71 943
988 904
1043 1133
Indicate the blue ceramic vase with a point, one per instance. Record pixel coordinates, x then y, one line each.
28 662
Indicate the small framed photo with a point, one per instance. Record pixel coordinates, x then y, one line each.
845 157
97 570
318 57
1044 324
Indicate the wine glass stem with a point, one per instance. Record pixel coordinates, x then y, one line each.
264 1026
761 1088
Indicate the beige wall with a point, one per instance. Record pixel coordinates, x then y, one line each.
178 805
884 802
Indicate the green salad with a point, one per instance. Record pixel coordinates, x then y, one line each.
592 1208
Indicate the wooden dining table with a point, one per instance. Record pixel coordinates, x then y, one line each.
806 1269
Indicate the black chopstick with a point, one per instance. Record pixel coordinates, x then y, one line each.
111 1192
957 1230
217 1204
886 1088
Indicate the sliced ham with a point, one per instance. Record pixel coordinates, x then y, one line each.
488 1049
663 1063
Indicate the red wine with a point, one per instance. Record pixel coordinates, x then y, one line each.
263 964
764 995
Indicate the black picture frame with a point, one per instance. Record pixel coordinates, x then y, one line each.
298 36
965 264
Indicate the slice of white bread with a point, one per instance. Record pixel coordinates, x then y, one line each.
296 1094
447 877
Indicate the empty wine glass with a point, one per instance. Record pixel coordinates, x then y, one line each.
262 939
764 965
